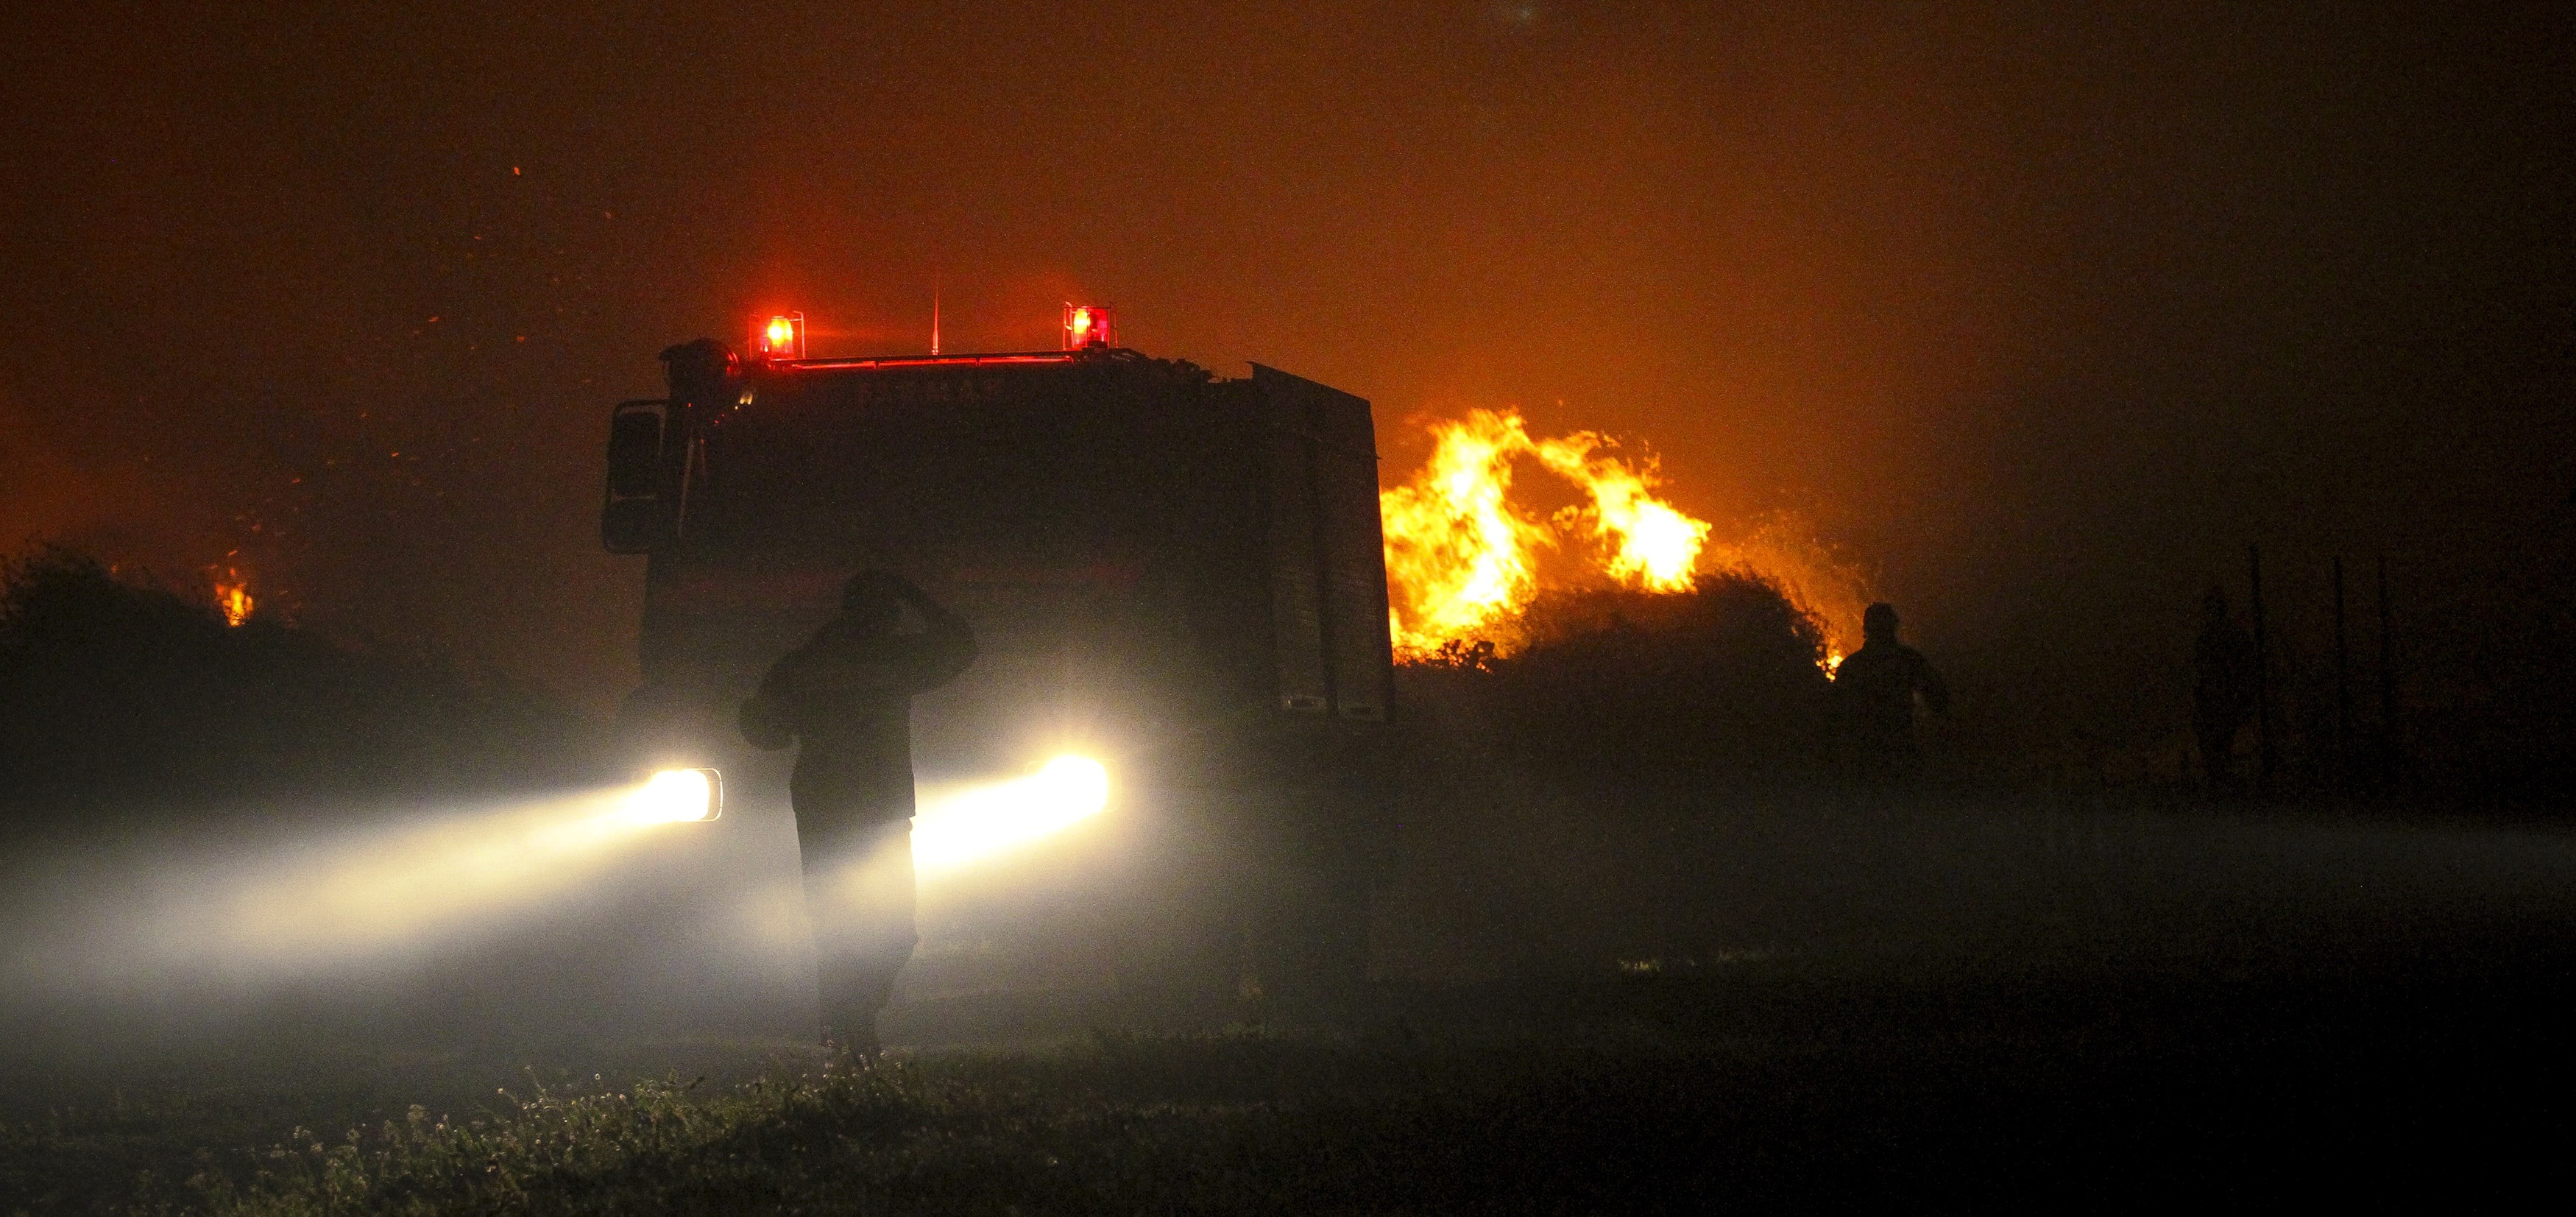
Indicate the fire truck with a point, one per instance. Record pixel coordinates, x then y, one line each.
1180 574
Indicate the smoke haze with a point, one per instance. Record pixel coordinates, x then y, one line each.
2043 314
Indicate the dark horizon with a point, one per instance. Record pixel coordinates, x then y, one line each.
2042 316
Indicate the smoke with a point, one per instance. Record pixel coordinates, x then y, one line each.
596 912
250 907
1781 549
57 493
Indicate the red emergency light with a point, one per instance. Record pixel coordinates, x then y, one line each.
1089 325
783 337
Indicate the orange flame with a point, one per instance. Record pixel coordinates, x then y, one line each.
233 598
1652 544
1462 561
1458 556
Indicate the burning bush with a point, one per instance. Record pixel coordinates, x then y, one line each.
1722 681
1462 558
1465 560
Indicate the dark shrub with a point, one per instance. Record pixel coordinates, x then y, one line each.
1718 683
115 695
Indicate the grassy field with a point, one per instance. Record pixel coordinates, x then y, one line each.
2440 1078
1664 1009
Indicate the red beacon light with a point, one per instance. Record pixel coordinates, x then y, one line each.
783 337
1089 325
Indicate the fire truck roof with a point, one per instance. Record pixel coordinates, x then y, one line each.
925 361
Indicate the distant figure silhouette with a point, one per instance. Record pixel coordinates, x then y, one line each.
2222 696
846 699
1873 698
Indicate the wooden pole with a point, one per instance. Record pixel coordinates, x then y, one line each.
2391 754
2263 754
2343 689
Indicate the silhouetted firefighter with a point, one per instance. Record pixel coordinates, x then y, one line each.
1873 699
845 698
2223 691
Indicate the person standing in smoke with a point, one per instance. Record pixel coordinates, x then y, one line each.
845 698
1873 698
2222 695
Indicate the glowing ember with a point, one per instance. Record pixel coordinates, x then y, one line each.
233 597
1462 561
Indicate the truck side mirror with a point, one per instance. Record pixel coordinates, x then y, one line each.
635 517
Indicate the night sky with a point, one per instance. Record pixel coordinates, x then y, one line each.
2043 311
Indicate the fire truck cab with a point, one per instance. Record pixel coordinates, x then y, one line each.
1178 574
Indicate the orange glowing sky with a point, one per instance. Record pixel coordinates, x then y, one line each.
2044 310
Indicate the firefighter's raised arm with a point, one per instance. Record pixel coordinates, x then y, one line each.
764 719
948 648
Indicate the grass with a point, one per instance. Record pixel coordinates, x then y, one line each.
1632 1096
658 1146
1209 1123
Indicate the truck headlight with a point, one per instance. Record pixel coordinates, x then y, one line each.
676 796
966 824
1075 786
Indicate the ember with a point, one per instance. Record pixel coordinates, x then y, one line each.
232 597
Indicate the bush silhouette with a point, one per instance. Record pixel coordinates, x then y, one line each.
119 698
1720 682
